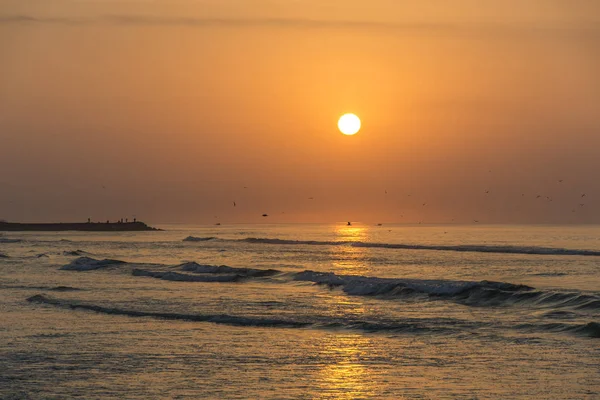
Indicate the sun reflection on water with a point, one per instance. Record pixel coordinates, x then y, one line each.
346 376
349 259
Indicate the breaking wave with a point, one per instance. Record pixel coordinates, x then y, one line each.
178 277
224 269
591 329
502 249
88 264
411 325
472 293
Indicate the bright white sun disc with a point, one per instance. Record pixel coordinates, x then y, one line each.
349 124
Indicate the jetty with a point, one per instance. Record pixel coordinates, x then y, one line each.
136 226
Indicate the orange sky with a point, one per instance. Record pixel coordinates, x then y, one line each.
167 109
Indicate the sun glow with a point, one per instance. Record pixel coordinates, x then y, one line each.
349 124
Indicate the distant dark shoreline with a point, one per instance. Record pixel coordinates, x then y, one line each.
83 226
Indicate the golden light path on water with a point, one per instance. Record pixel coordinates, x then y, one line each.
347 258
346 376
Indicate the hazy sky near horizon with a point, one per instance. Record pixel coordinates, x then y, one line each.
167 109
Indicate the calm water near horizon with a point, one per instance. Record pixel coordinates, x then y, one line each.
294 311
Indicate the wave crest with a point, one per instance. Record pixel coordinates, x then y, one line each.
410 326
7 240
178 277
501 249
198 239
88 264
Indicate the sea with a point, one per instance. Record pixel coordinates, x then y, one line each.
302 311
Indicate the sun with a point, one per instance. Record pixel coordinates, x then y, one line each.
349 124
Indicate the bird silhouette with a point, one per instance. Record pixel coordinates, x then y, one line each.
234 204
265 215
583 195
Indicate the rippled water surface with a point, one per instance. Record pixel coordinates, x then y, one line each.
302 311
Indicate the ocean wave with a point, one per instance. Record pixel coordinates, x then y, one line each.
7 240
49 288
75 253
501 249
88 264
64 289
178 277
551 274
368 286
214 318
410 326
224 269
590 329
198 239
472 293
561 314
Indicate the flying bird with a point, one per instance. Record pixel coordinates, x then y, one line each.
234 204
583 195
560 181
265 215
